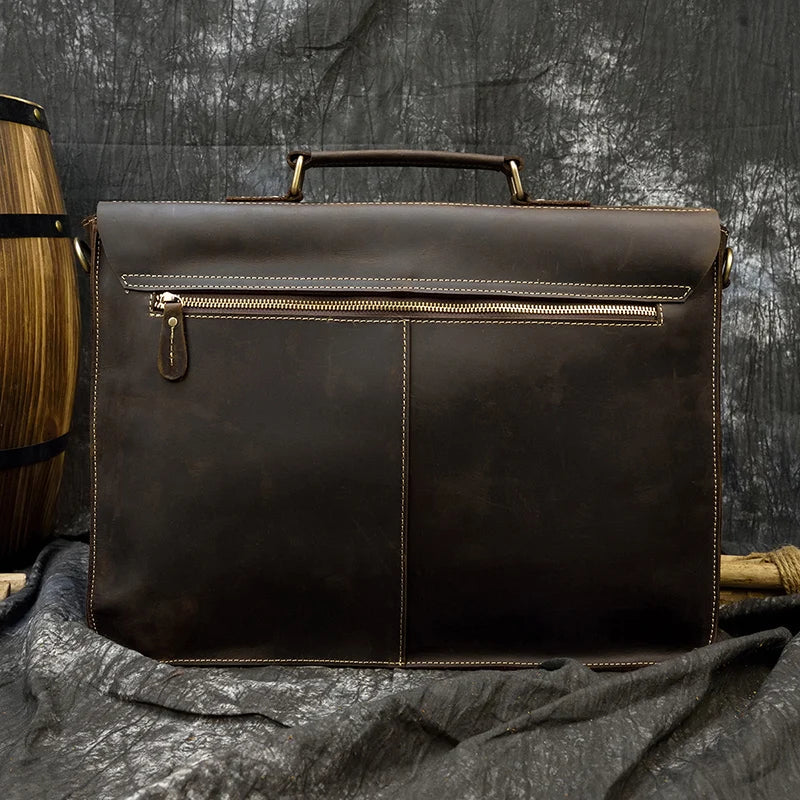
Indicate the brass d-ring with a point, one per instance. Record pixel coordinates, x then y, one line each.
727 267
81 253
517 191
297 178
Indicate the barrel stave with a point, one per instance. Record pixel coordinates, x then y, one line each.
39 329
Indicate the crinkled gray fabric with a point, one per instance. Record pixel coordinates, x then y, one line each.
82 717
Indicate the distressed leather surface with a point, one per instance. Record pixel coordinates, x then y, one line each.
406 492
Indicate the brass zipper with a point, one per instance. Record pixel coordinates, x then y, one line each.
173 357
402 306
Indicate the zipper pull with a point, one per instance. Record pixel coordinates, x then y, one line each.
173 357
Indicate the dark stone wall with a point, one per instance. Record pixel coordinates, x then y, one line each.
690 102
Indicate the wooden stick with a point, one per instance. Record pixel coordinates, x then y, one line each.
727 596
741 572
11 582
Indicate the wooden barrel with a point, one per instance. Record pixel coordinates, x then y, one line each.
39 329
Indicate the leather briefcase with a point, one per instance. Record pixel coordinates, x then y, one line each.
405 434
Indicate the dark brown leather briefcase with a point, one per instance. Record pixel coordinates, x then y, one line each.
405 434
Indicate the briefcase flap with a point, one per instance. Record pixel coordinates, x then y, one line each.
641 253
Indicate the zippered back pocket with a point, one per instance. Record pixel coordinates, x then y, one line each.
174 308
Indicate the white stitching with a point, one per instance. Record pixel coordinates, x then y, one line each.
350 661
533 663
275 661
537 293
172 346
295 278
420 203
93 535
401 656
714 445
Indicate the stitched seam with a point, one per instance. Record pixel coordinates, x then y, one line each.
401 656
714 445
93 534
535 663
428 321
537 293
172 346
423 203
275 661
349 661
293 278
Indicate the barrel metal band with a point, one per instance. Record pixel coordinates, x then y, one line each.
24 226
22 112
32 453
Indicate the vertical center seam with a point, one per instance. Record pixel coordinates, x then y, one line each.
403 499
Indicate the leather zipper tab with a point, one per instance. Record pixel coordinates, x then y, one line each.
173 356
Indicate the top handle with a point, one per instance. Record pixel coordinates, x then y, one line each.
302 160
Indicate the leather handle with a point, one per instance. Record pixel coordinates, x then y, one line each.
402 158
302 160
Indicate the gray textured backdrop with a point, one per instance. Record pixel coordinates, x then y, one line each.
616 101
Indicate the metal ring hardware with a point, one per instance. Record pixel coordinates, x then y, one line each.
727 267
81 253
517 192
297 177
